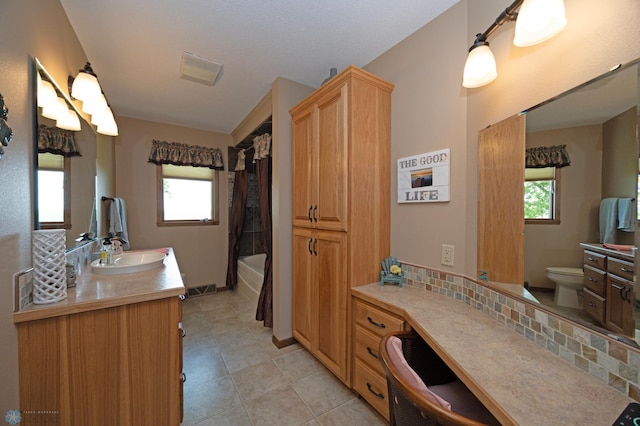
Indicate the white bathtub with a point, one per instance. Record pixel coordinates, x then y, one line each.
251 275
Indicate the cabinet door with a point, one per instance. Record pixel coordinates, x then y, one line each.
303 292
619 311
332 156
304 171
501 149
329 251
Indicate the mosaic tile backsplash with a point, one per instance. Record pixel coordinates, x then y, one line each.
606 359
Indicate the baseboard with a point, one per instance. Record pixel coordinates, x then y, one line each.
283 343
542 289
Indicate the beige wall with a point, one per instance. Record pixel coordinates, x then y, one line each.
201 251
285 95
27 31
428 113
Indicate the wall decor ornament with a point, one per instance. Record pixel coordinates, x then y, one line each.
424 178
5 131
49 265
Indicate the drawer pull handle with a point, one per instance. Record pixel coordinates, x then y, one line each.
593 305
592 280
310 241
315 213
617 286
626 270
183 377
372 353
377 324
377 395
591 259
183 332
309 214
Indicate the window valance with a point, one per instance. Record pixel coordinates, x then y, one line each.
261 146
57 141
547 156
180 154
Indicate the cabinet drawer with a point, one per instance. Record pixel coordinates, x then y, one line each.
376 320
367 349
594 305
372 387
621 268
596 260
595 280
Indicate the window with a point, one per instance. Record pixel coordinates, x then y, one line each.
54 199
542 195
187 195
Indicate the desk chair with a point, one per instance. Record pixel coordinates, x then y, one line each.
422 388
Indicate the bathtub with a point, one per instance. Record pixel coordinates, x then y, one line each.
251 275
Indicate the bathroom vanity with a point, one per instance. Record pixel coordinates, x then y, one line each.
519 381
609 281
111 353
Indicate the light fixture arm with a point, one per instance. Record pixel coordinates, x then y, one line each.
507 15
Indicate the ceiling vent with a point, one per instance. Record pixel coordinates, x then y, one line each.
199 70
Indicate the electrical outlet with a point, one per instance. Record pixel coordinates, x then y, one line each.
447 255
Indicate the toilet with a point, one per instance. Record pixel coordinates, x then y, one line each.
568 281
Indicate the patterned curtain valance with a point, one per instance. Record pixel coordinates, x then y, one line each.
547 156
57 141
180 154
261 146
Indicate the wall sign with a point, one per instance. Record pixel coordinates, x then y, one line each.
424 178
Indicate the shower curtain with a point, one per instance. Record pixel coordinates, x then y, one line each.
262 159
238 203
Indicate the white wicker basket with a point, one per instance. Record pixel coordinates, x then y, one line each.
49 266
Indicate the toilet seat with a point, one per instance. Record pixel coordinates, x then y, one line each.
561 270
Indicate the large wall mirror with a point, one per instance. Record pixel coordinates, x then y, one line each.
64 164
598 123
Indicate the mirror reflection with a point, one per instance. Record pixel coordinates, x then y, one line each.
65 162
580 243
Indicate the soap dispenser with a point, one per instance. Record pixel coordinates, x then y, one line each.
107 252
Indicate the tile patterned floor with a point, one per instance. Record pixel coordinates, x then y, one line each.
236 376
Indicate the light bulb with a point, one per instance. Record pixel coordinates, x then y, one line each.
538 21
480 68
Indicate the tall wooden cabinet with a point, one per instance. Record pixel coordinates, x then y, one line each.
341 199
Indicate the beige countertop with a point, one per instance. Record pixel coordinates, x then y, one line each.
520 382
622 254
94 291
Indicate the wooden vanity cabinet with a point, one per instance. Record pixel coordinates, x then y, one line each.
370 324
341 172
118 365
608 294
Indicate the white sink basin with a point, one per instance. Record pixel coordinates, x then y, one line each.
126 263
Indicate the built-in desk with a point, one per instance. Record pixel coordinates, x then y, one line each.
520 382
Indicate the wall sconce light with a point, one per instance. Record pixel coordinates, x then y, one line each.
85 86
536 21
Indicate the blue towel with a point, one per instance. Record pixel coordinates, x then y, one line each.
608 220
627 214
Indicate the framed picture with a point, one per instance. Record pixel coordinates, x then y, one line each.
424 178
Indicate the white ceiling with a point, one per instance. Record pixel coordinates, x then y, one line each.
135 47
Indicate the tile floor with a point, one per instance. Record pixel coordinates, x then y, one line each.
236 376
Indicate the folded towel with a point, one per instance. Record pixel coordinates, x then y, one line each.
619 247
608 220
627 214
